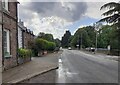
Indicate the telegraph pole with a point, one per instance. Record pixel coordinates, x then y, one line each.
97 27
96 42
81 42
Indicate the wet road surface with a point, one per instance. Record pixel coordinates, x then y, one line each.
78 67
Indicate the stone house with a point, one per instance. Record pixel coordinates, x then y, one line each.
0 36
8 33
25 36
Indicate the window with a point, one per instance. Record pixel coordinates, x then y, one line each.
6 43
5 4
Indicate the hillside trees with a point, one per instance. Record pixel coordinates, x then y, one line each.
66 39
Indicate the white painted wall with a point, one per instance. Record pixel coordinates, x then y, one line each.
20 38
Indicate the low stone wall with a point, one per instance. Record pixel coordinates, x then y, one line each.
23 60
115 52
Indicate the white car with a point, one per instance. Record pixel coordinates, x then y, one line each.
69 48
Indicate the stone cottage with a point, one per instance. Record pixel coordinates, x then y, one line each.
8 31
25 36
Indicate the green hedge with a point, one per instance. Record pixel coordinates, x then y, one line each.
41 44
24 53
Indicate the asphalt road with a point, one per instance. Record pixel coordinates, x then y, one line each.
79 67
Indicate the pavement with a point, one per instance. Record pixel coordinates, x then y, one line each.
37 66
49 77
79 67
103 55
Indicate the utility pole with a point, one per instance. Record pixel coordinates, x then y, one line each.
97 27
81 42
78 42
96 42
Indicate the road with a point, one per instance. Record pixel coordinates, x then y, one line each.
79 67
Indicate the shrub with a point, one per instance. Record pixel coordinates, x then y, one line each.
24 53
51 46
41 45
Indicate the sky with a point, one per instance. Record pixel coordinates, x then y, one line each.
57 16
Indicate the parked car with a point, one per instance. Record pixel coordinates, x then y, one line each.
90 49
69 48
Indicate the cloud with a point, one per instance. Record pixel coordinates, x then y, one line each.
70 11
54 17
93 10
50 17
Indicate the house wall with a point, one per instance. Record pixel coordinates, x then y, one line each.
20 37
0 38
10 23
24 35
0 46
28 38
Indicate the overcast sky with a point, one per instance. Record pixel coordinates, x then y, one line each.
57 17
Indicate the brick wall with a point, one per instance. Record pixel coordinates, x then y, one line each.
0 46
10 23
28 37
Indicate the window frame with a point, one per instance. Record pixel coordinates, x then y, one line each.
5 4
7 42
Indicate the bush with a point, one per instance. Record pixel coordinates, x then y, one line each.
51 46
24 53
41 45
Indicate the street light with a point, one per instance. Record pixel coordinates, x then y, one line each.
81 42
97 27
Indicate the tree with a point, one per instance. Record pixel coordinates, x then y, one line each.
84 36
113 14
104 36
48 37
58 42
65 39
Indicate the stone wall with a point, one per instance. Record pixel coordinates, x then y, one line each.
10 23
0 46
0 40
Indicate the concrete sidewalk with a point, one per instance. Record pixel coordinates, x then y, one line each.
102 55
37 66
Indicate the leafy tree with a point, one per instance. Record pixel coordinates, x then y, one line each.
113 16
51 46
40 44
104 36
58 42
48 37
65 39
84 36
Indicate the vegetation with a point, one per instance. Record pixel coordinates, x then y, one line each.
113 17
57 42
113 14
66 39
48 37
84 36
24 53
45 42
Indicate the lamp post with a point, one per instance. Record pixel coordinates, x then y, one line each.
97 27
81 42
